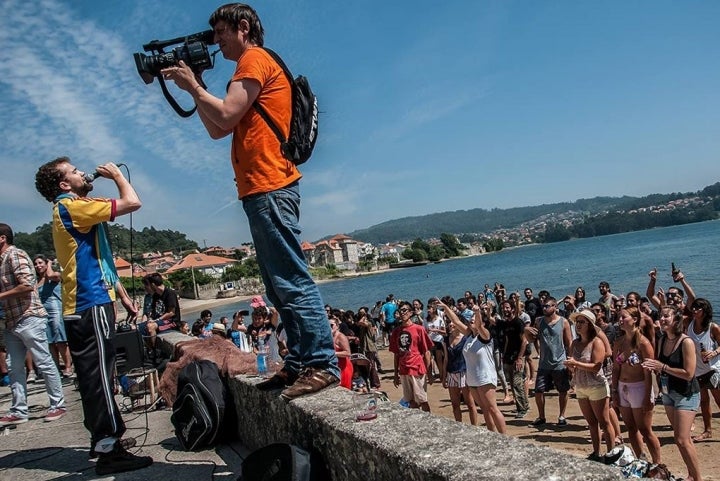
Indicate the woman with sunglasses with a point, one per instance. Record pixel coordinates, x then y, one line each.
580 301
480 365
675 366
706 336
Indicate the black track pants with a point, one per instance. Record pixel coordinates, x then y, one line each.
90 338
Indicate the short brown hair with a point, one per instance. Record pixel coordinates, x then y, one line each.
233 13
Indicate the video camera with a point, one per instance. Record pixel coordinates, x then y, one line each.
193 51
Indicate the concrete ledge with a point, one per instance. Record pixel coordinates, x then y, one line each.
400 444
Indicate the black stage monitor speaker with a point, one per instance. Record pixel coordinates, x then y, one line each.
129 351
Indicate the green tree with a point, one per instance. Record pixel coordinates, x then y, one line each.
436 253
239 254
133 285
367 262
493 245
183 279
416 255
249 268
420 244
557 233
452 246
39 242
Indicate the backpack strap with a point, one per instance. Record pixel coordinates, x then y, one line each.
260 110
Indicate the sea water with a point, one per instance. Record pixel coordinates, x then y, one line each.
623 260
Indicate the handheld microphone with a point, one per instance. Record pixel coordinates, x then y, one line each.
90 177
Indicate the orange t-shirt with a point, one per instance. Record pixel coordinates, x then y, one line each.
256 157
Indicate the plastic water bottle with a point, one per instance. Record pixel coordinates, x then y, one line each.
261 358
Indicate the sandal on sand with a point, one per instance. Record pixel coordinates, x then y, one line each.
702 437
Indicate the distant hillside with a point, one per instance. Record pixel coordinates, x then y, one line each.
483 220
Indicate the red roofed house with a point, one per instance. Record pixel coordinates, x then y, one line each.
123 267
309 251
340 250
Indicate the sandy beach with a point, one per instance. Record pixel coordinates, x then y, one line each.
189 307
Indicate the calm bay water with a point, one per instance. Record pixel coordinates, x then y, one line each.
623 260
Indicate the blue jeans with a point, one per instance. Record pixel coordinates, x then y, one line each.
273 219
29 335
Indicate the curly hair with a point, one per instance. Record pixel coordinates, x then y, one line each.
233 13
48 177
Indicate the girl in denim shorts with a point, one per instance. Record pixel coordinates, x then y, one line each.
675 365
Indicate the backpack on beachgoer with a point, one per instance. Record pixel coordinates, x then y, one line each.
299 145
279 462
202 407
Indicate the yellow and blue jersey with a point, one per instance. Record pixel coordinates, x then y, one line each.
83 251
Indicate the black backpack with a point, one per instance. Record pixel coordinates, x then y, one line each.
202 407
298 147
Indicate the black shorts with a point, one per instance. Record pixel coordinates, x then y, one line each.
709 380
548 379
388 327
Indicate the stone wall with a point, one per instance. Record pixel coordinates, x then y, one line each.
401 444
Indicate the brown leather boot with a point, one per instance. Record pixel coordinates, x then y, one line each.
311 380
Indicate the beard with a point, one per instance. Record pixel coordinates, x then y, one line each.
85 189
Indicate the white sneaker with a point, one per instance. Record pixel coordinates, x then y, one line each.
31 378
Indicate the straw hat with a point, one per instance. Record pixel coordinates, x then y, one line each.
586 313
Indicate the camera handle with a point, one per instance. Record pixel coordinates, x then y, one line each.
173 103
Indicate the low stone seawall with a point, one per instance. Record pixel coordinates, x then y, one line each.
401 444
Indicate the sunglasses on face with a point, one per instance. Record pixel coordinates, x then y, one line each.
403 310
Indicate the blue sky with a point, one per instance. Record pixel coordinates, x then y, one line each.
427 106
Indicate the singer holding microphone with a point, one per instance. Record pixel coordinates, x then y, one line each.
88 293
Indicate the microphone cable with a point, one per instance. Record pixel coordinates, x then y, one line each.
144 374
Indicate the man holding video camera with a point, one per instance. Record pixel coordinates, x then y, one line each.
267 184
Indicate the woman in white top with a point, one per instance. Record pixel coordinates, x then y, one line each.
480 374
434 324
706 336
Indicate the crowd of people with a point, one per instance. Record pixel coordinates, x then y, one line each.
619 356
